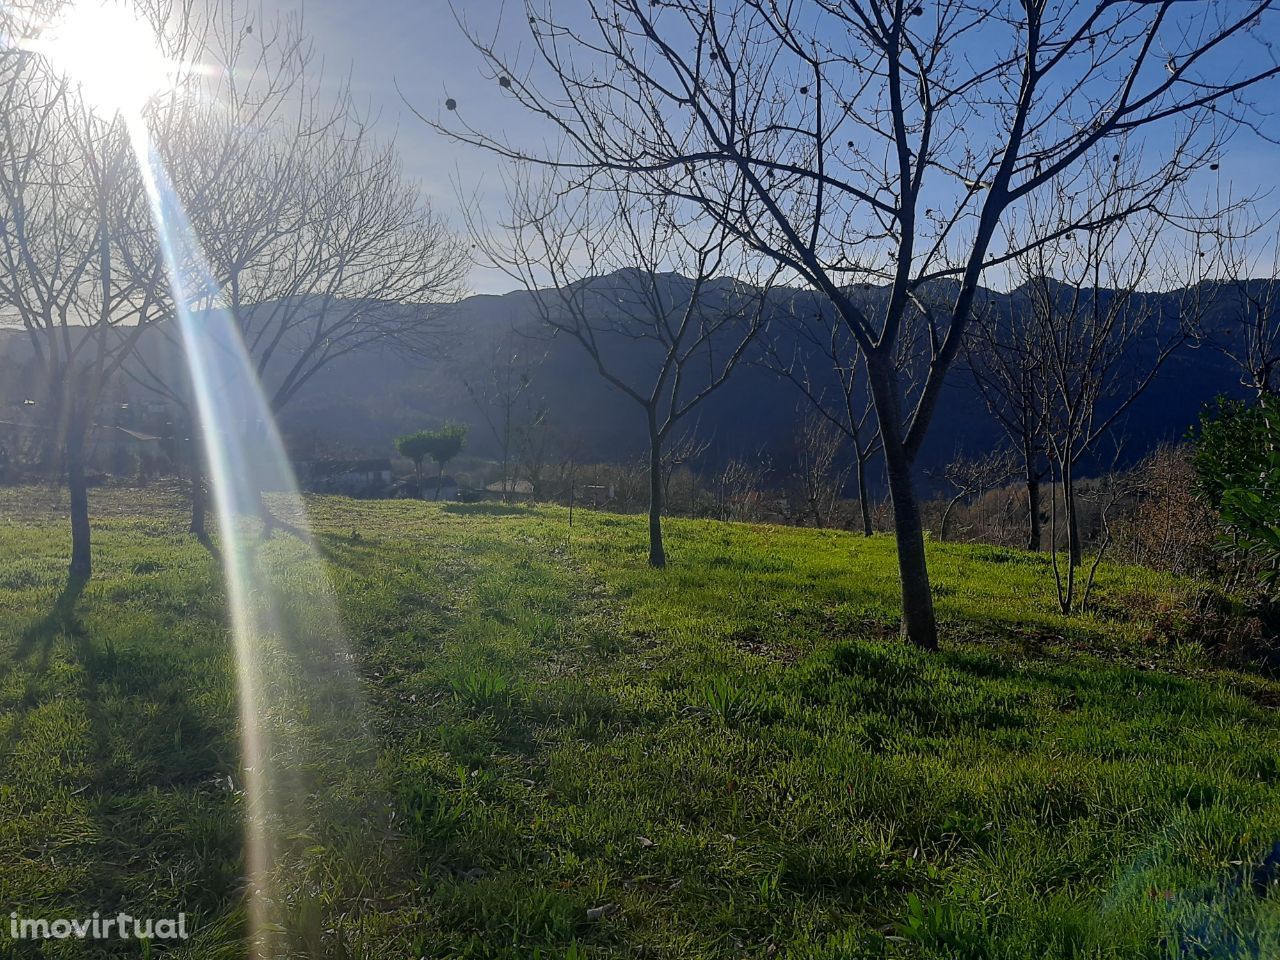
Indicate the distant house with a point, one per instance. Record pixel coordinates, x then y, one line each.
597 494
122 451
519 489
357 478
112 448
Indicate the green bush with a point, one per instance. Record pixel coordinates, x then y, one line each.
1237 463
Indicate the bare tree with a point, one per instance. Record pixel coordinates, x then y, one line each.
656 303
815 351
739 488
317 244
1004 354
355 261
1113 488
315 240
539 444
506 400
168 380
971 477
76 268
1101 339
682 450
233 152
882 142
820 476
1247 312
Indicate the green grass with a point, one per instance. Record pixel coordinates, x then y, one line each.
734 757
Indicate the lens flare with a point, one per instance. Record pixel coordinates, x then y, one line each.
307 756
301 713
110 51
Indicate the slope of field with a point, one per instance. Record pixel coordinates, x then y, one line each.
579 757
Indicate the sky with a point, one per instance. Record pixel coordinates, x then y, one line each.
416 45
405 54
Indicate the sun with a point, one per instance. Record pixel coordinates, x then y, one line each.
110 51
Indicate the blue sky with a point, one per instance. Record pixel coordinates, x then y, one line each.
417 45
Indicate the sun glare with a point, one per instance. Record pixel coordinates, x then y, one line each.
110 51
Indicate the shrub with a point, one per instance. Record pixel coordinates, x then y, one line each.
1166 524
1237 463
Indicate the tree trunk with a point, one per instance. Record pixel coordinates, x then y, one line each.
657 553
918 624
815 510
1073 521
439 481
506 459
81 565
1033 513
199 497
1066 586
269 521
864 505
946 515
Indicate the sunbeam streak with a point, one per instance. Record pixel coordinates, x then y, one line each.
228 402
310 803
298 699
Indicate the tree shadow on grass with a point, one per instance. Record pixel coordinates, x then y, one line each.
101 664
36 642
272 523
143 748
61 620
342 552
210 547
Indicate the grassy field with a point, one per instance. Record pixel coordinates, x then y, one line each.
574 756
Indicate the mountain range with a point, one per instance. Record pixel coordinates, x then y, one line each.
359 403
